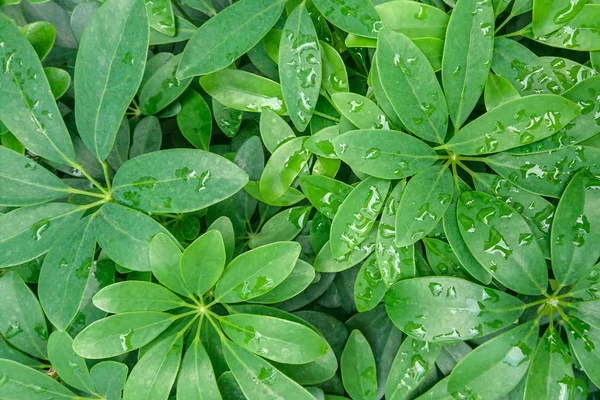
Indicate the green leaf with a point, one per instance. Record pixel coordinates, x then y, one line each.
282 168
361 111
109 68
326 262
290 197
125 234
147 137
301 276
229 387
228 119
546 173
581 33
228 35
441 309
243 91
25 183
515 123
576 229
28 107
202 263
109 378
507 355
353 16
131 296
502 241
587 311
28 232
65 274
120 333
584 340
224 226
71 368
120 151
413 19
467 56
256 272
551 372
162 88
160 16
383 153
285 225
22 382
425 200
274 130
196 379
325 194
335 76
548 16
164 259
23 323
521 6
257 378
41 35
274 338
498 90
442 259
59 81
155 372
199 179
185 30
300 66
411 86
358 368
369 287
413 362
356 216
194 120
395 263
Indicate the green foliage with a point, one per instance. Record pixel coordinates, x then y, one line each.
299 199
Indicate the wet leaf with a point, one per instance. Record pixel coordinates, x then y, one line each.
358 368
355 16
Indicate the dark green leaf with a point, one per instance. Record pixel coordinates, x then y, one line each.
194 120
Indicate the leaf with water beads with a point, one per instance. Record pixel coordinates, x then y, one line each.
223 39
426 197
299 279
369 287
21 382
411 86
354 16
414 19
361 111
548 16
442 259
515 123
358 368
356 216
326 262
576 229
300 66
160 16
162 88
507 355
335 77
584 341
285 225
441 309
325 194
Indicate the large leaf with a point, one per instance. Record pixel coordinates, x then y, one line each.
177 180
411 86
164 260
383 153
28 107
414 19
467 56
502 241
353 16
202 262
110 64
439 309
196 379
131 296
21 382
576 229
358 368
228 35
548 16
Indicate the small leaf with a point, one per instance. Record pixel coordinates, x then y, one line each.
548 16
160 16
299 279
354 16
202 262
162 88
59 81
196 379
194 120
109 378
285 225
326 262
498 91
185 30
147 137
41 35
224 226
358 368
325 194
441 309
335 77
164 255
228 119
71 368
360 110
583 340
369 287
274 130
131 296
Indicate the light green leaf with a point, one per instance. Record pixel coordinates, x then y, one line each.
299 279
502 241
28 107
185 30
131 296
411 86
257 271
369 287
300 66
22 382
66 272
289 198
243 91
335 77
514 123
413 19
109 378
498 90
120 333
321 142
352 16
196 379
23 323
285 225
164 255
425 200
28 232
202 262
413 362
467 56
71 368
356 216
507 355
59 81
442 309
361 111
160 16
358 368
228 35
325 194
228 119
384 154
548 16
576 229
162 88
258 379
274 130
198 178
194 120
109 68
326 262
41 35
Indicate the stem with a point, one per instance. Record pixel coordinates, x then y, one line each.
228 308
106 176
83 192
510 16
199 326
329 117
534 303
89 177
517 33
